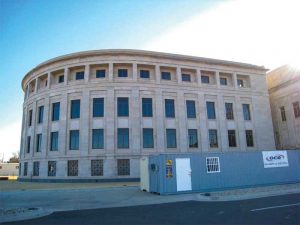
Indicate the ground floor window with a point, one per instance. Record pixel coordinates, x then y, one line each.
212 164
51 168
123 167
72 167
25 169
231 138
249 138
36 168
97 167
20 167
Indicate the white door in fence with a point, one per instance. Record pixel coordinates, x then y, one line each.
183 174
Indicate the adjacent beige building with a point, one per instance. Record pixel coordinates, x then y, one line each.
92 115
284 91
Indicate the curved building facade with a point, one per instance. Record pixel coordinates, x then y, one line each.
92 115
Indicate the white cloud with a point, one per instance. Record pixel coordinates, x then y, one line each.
262 32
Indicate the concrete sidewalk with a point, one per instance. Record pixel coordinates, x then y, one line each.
20 205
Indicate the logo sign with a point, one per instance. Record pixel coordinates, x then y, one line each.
275 159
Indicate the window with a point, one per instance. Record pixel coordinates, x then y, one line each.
249 138
282 111
75 109
229 111
20 168
296 109
55 111
213 138
30 118
193 138
122 73
231 138
79 75
123 109
144 74
246 112
98 107
169 108
240 83
98 139
147 107
165 75
74 140
148 138
190 109
212 164
223 81
28 144
61 79
123 138
38 143
41 114
25 169
51 168
171 138
54 141
123 167
97 167
186 77
205 79
210 107
72 167
36 168
100 73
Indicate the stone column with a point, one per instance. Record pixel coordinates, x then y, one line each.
110 122
36 85
135 121
66 76
218 79
86 73
63 129
240 123
110 72
84 123
134 71
178 74
222 123
157 74
234 80
45 129
203 123
181 118
198 74
33 129
160 130
49 80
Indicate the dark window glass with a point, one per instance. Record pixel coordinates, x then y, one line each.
38 146
229 111
55 111
210 107
123 167
54 141
296 109
72 167
193 138
223 81
165 75
61 79
75 109
282 111
148 138
190 109
123 107
25 169
79 75
98 139
205 79
144 74
213 138
41 114
28 144
147 107
97 167
171 138
74 140
100 73
231 138
30 118
51 168
240 83
186 77
36 168
249 138
20 169
123 138
98 107
122 73
169 108
246 112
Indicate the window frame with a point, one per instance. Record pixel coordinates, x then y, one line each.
296 108
165 75
79 75
247 113
150 142
229 111
145 74
54 139
147 107
41 114
38 147
171 133
210 138
100 73
123 107
98 107
211 110
192 132
170 108
231 134
223 83
205 79
123 138
75 109
99 134
185 77
55 111
122 73
247 140
74 140
213 165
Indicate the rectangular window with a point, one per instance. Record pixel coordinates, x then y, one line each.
61 79
212 164
36 168
79 75
122 73
75 109
147 107
213 138
100 73
246 112
41 114
54 141
98 139
282 111
148 138
169 108
249 138
97 167
205 79
190 109
171 138
28 144
186 77
165 75
123 167
240 83
25 169
229 111
123 107
20 169
231 138
72 167
296 109
38 143
74 140
30 118
123 138
210 107
55 111
98 107
144 74
51 168
223 81
193 138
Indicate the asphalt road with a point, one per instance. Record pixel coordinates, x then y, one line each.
283 209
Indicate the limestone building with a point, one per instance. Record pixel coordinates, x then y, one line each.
284 90
92 115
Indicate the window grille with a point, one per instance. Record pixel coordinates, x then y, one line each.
36 168
97 167
213 164
25 168
123 167
73 168
51 168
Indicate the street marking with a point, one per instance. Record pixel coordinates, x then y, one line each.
274 207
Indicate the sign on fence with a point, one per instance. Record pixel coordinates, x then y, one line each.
275 159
